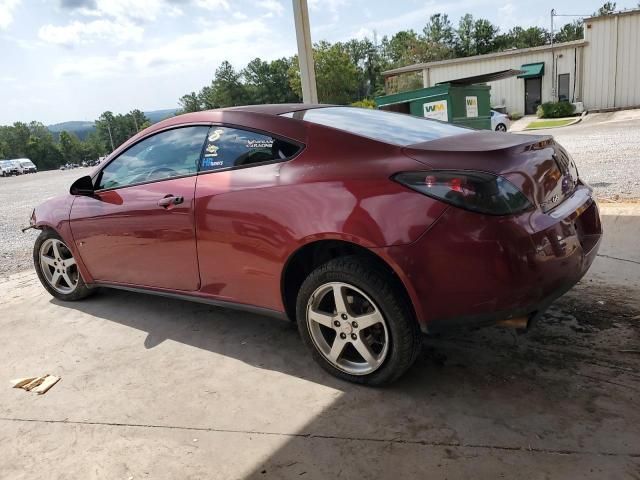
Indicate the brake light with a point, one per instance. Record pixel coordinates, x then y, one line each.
476 191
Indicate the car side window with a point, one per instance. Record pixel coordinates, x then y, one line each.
172 153
228 147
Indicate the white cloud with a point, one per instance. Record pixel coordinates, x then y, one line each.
331 6
134 10
186 52
272 6
6 12
239 16
510 15
114 21
79 33
362 33
213 4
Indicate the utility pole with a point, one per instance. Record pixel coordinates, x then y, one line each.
553 61
110 136
305 51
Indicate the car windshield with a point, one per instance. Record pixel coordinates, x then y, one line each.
395 128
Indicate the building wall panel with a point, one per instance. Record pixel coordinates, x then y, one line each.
510 92
627 88
600 63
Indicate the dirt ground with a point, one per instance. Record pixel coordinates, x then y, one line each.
159 388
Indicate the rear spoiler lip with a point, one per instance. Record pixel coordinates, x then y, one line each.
478 142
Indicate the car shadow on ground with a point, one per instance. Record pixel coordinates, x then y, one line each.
475 387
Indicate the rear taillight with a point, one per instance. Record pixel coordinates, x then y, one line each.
476 191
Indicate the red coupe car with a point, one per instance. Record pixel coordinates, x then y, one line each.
366 227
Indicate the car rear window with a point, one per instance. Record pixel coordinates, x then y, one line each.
396 128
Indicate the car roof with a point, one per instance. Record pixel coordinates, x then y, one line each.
274 108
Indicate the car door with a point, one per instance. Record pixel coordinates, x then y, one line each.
239 244
138 229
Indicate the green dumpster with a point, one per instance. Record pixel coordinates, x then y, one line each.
463 101
466 105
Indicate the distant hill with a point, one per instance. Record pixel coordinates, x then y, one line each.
80 128
155 116
83 128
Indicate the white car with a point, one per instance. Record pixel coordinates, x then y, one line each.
8 168
25 165
499 121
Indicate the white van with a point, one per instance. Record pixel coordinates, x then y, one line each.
25 165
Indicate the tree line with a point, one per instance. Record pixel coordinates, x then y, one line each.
49 150
351 71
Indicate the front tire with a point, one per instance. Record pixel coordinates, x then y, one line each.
501 127
57 268
356 322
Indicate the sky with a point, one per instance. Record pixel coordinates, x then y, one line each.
66 60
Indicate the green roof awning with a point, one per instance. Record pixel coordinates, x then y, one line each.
532 70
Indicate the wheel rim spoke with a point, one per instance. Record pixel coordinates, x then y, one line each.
338 295
65 276
48 261
56 250
321 318
366 353
337 348
68 262
366 321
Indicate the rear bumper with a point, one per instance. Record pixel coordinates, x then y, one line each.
471 269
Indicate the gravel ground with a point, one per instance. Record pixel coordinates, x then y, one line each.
607 154
18 196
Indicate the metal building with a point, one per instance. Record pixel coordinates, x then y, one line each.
602 71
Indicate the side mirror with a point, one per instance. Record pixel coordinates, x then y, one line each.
82 186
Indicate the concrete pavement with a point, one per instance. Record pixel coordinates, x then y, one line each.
160 388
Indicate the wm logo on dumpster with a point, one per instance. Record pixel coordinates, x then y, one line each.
434 108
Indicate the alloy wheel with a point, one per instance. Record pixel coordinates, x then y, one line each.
501 128
347 328
58 266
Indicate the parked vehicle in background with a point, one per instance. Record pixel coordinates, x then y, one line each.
5 168
8 168
25 165
365 226
499 121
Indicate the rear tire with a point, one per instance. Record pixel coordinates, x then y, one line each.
501 127
374 318
57 268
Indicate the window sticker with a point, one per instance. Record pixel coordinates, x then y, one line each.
215 135
211 151
210 162
265 142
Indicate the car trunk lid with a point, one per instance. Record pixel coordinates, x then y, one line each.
536 164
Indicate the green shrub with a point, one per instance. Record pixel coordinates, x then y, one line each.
366 103
515 116
555 110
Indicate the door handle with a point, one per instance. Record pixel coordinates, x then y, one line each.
169 200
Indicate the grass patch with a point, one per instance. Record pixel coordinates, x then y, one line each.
550 123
